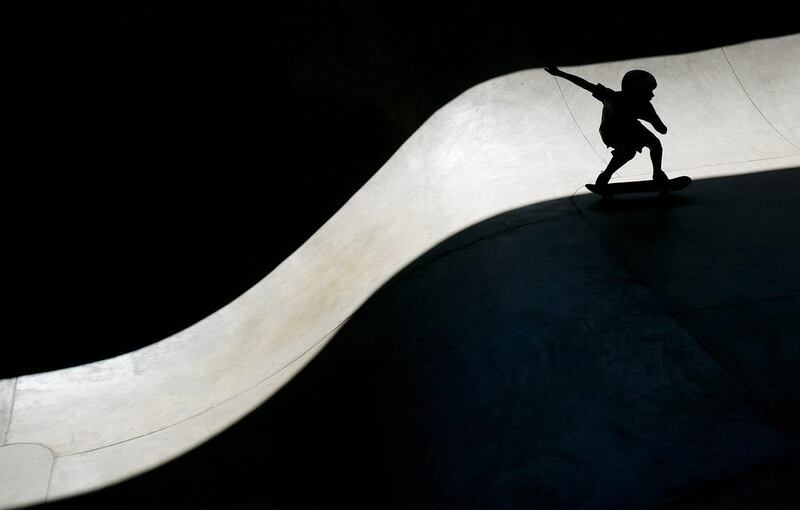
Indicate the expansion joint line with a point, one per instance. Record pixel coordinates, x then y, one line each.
50 478
737 303
749 395
746 93
221 402
571 114
10 412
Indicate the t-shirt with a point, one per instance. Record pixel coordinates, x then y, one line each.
620 112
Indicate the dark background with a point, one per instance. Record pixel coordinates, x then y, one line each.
164 158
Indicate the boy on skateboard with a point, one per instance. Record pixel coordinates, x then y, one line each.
620 128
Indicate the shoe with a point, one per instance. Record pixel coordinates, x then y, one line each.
660 177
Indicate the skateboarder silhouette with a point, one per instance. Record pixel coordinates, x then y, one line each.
620 128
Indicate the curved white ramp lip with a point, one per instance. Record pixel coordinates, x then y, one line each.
509 142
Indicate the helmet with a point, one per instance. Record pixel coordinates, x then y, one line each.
638 79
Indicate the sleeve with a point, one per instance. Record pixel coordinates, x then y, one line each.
601 92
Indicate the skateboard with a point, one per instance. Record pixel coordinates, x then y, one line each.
617 188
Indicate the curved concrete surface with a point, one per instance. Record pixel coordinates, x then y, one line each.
24 473
507 143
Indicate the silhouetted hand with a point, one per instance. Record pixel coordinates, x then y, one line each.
555 71
661 128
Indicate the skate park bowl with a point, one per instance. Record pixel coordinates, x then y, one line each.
514 311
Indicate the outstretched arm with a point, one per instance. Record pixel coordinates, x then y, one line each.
577 80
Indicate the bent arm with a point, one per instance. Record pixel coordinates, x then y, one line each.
577 80
660 127
653 118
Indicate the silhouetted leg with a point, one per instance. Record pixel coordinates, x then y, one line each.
656 152
619 158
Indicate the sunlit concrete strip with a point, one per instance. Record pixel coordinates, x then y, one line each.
712 118
25 471
515 140
95 468
6 402
772 84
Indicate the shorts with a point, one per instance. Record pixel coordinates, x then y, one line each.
633 137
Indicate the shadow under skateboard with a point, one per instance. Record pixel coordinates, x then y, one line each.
619 188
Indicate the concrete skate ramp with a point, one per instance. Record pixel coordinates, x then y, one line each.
524 141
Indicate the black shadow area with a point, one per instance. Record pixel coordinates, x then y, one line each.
722 258
522 363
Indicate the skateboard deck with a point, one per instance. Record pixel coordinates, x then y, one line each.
617 188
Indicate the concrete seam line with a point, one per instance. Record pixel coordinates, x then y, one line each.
641 281
738 303
10 412
741 162
50 478
638 175
221 402
750 395
746 93
564 99
34 443
326 336
638 279
53 458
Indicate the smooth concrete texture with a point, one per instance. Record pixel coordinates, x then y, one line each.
757 342
516 140
24 474
770 84
520 364
97 467
720 122
6 400
737 240
723 260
